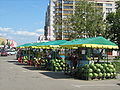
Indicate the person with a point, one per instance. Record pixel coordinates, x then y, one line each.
68 59
74 61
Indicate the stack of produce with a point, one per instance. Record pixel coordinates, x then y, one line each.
25 59
57 65
99 71
38 62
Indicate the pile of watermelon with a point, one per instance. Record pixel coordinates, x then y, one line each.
57 65
100 71
25 59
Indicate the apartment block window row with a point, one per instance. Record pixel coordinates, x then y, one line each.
68 2
108 9
57 7
99 4
108 4
68 7
68 12
58 11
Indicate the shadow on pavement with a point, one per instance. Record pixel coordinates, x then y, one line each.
31 68
56 75
15 62
118 84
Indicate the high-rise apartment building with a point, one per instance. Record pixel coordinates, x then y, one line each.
63 8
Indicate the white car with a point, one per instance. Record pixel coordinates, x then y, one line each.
11 52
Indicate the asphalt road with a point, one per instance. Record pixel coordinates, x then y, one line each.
14 76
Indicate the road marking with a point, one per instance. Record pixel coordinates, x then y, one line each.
95 85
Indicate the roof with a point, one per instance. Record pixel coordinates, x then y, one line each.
95 42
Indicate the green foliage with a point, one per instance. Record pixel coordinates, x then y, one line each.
113 21
86 19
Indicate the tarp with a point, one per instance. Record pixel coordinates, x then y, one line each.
54 44
95 42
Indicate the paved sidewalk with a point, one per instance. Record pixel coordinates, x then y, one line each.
14 76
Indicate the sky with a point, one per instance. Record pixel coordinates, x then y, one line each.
22 20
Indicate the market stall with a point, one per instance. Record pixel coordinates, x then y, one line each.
79 57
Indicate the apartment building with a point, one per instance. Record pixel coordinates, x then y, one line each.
63 8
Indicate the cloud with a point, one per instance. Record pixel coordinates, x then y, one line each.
26 33
40 30
5 29
3 34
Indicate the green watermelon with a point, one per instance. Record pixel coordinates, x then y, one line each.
104 74
108 74
90 75
98 70
90 70
95 75
100 74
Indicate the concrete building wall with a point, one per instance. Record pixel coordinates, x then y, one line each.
64 8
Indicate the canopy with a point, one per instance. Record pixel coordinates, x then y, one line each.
95 42
25 45
54 44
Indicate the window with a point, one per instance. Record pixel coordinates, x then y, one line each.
108 4
67 11
99 4
65 36
58 11
108 9
64 16
68 7
68 2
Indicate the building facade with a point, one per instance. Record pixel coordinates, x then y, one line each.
63 8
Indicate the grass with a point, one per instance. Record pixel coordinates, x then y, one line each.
117 66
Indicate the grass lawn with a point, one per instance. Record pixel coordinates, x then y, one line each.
117 66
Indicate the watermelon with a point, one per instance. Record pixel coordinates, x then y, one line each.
63 65
111 66
114 70
101 67
104 74
105 65
98 70
108 74
114 74
90 70
111 74
110 70
91 65
97 65
100 74
56 68
60 68
90 75
107 69
95 75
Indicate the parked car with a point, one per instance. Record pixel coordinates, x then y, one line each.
4 53
10 52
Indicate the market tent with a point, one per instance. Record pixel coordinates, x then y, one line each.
50 44
95 42
24 45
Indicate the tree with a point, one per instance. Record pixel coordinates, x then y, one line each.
113 20
58 27
86 21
